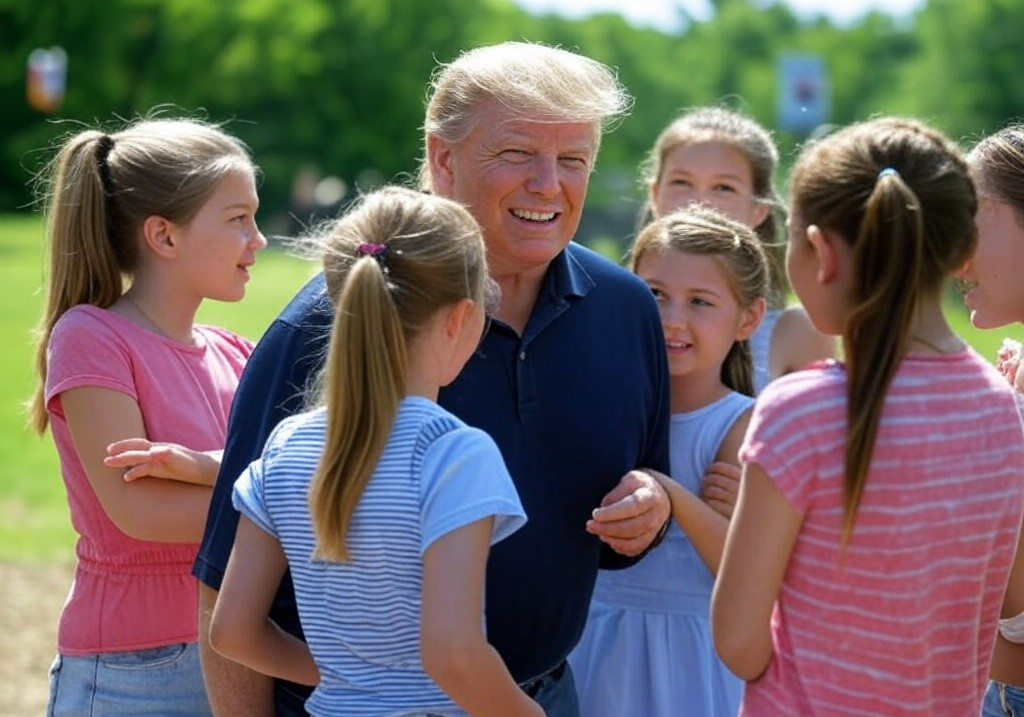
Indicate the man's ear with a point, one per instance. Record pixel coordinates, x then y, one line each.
439 164
825 253
159 235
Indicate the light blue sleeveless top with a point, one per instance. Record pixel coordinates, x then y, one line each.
760 348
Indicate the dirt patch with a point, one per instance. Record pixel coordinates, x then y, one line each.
31 597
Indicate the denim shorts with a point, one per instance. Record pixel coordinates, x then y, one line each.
165 681
1002 700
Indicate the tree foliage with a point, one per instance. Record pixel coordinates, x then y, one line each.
340 86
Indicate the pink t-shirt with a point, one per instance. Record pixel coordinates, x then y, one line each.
130 594
905 624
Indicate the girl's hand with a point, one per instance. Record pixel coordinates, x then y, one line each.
145 459
1008 360
721 487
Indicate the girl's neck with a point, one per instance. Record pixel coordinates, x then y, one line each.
159 312
421 386
422 369
930 333
695 391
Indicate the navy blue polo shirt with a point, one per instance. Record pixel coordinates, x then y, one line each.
577 401
274 385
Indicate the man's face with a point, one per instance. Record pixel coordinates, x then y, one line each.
524 181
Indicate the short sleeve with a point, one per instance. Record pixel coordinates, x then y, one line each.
249 492
248 497
464 479
83 351
784 438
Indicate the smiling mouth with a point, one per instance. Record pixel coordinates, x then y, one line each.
539 217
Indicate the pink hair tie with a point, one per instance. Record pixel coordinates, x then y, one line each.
371 249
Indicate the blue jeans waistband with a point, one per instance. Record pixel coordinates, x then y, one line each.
532 687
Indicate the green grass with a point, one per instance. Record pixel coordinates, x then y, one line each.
34 523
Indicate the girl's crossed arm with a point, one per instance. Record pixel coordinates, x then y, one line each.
160 510
705 520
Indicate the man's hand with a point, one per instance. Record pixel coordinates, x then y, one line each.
631 515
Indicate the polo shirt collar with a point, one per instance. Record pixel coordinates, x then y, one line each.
566 277
566 280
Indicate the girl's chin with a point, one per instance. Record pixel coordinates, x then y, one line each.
984 323
970 301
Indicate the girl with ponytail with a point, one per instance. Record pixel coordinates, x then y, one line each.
382 504
879 509
143 225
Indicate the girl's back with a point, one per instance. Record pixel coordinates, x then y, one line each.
895 625
362 618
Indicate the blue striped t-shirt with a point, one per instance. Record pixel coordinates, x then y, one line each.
362 618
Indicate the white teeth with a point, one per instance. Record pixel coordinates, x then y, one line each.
534 216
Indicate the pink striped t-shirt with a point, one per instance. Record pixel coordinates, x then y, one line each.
905 624
132 594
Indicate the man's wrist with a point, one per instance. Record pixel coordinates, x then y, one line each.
662 531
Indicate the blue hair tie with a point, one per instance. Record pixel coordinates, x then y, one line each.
887 171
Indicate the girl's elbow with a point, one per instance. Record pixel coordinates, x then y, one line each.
448 661
134 528
744 667
135 520
225 639
744 656
443 668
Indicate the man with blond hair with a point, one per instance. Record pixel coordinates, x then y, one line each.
570 378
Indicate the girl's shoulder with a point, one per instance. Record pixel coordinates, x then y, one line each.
88 323
817 387
86 315
223 338
300 432
820 375
723 409
796 343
